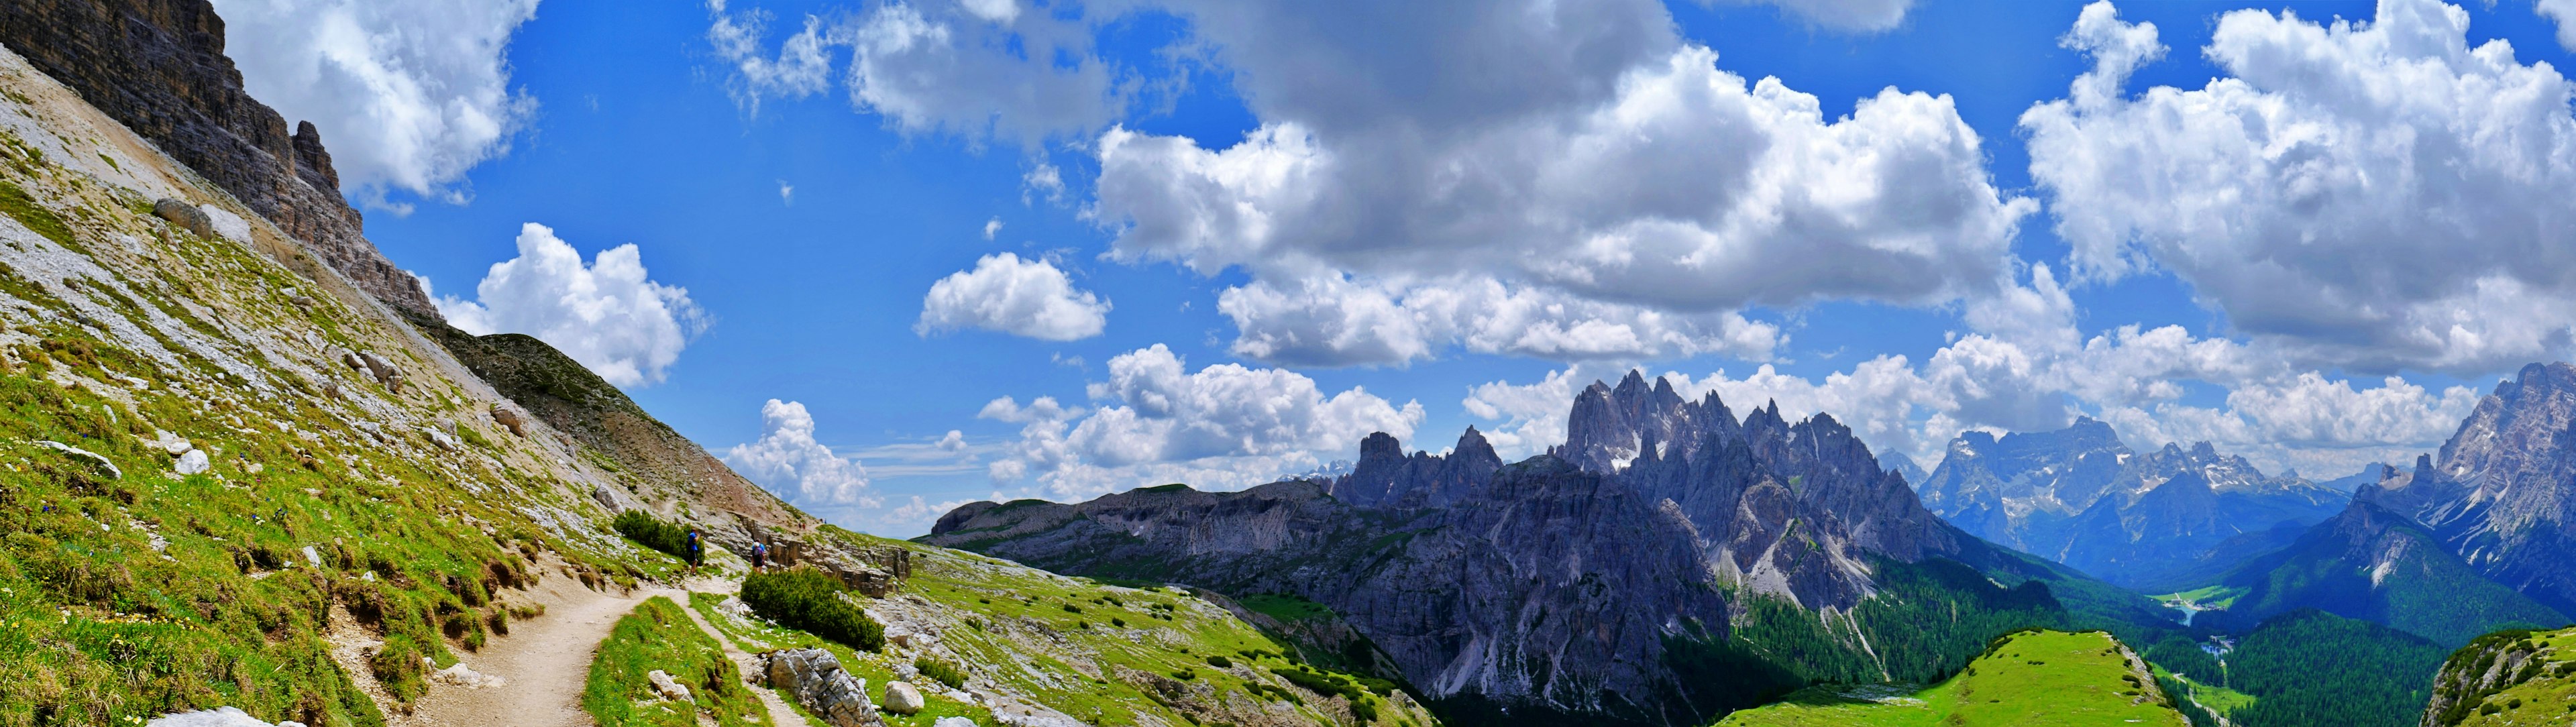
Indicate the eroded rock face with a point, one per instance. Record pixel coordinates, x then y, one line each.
817 680
158 67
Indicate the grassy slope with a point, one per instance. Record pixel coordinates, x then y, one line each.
135 595
2033 678
658 635
1009 627
2548 697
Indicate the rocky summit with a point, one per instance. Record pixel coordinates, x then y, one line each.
1582 581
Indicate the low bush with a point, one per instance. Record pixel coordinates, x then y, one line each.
811 601
653 532
945 672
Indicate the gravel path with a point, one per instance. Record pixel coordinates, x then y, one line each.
544 662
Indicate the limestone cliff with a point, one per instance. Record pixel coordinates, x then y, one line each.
158 68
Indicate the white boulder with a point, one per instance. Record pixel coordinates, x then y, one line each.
902 698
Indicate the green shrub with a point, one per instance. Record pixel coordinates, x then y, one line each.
1219 661
945 672
653 532
808 600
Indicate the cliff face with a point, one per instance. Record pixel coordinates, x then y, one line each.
158 67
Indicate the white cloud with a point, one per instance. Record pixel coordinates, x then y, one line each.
409 94
1844 15
786 193
1020 297
789 462
2024 366
992 227
1577 161
803 66
2563 11
1687 192
953 443
2368 195
1042 177
1331 321
608 315
977 69
921 513
1222 426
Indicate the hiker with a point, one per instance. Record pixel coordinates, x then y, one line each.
696 551
759 555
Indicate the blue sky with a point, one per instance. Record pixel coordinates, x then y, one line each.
1413 170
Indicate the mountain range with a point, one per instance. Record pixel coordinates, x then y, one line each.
2147 520
1665 564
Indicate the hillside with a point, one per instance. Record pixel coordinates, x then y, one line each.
2507 678
2374 564
232 477
2029 678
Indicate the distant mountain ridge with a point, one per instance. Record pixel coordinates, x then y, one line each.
2144 520
1665 539
2470 540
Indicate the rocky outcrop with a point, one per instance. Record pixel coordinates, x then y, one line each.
817 681
2486 682
158 67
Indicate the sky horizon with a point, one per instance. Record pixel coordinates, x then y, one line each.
887 257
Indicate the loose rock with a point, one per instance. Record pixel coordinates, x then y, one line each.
668 688
459 675
185 215
218 717
902 698
510 419
193 463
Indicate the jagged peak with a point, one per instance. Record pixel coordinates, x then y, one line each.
1380 446
1472 443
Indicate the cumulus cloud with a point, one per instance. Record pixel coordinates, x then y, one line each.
409 94
1020 297
2369 195
1683 192
975 69
1576 164
607 314
992 227
2563 11
788 461
1222 426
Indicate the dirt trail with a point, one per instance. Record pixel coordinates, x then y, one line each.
779 713
545 661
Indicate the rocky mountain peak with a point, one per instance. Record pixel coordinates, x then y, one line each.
1608 426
